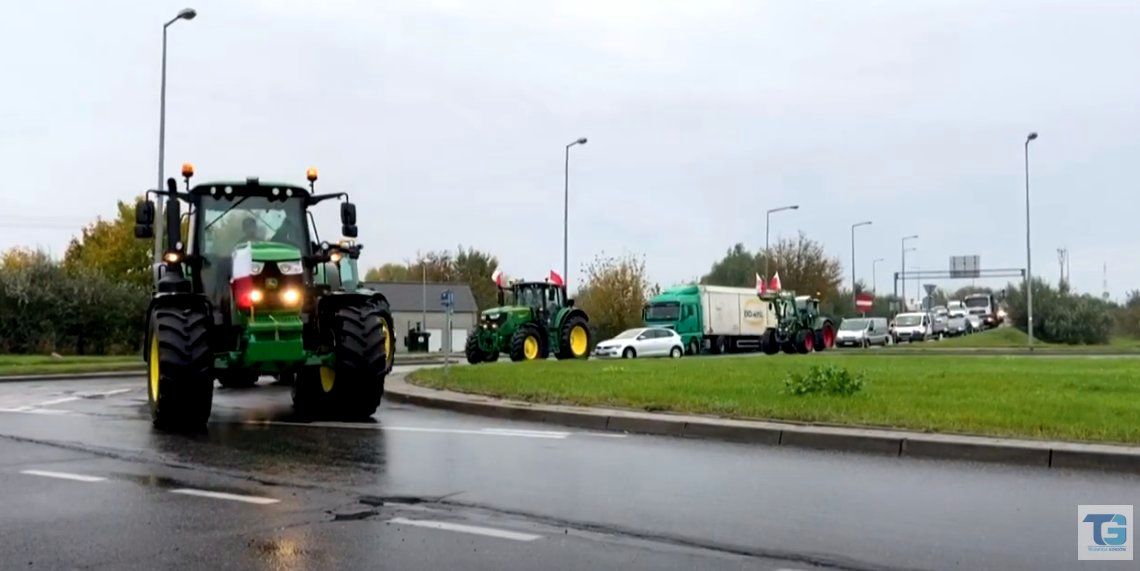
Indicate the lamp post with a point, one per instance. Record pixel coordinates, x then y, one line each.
1028 257
767 224
423 309
875 275
853 227
566 217
185 14
904 251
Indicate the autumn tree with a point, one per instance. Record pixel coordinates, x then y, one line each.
613 294
390 272
468 266
474 268
110 248
801 262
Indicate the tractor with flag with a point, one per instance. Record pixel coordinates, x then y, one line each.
250 290
800 326
539 321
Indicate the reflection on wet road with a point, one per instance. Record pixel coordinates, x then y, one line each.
89 483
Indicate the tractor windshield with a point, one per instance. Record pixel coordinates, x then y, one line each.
529 295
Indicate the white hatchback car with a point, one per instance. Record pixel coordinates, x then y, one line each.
642 342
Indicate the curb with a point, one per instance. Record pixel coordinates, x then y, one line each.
1042 454
72 376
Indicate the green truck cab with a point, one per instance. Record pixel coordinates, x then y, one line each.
710 318
679 309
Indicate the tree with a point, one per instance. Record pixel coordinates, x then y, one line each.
969 290
804 267
110 248
474 268
613 294
390 272
736 269
1060 317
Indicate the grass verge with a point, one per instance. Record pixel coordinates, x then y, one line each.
45 365
1065 398
1006 338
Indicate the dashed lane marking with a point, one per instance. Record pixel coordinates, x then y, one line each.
260 500
63 475
472 529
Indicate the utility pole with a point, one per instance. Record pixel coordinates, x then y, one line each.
186 14
566 216
1028 255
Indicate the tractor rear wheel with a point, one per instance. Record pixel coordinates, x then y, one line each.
471 349
526 344
825 337
805 341
180 385
352 388
237 378
574 341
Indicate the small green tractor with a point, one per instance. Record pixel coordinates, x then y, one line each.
251 290
801 328
541 321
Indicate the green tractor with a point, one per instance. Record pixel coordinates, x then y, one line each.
251 290
801 328
541 321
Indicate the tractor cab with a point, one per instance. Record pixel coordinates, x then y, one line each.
544 299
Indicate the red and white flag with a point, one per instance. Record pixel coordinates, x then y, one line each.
775 285
556 279
760 284
497 277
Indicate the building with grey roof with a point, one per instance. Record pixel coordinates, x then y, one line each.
413 303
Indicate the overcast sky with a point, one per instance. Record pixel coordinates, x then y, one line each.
446 121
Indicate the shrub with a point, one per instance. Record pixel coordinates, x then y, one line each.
1060 317
829 379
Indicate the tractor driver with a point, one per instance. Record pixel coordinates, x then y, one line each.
250 231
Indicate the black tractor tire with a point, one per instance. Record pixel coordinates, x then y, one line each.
357 382
805 341
768 343
472 351
237 378
629 353
823 335
567 349
180 382
519 342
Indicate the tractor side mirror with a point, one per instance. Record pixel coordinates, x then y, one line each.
144 219
348 220
173 217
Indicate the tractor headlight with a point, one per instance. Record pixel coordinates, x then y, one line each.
291 296
290 268
256 267
256 296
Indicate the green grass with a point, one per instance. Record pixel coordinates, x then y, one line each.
42 364
1068 398
1000 337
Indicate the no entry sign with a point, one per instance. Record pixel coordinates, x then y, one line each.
864 301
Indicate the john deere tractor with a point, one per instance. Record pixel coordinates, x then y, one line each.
251 290
541 321
800 326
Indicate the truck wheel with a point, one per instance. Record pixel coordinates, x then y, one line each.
694 347
805 341
237 378
866 343
526 344
355 384
471 349
180 384
722 345
574 341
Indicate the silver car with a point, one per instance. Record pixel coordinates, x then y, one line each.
958 323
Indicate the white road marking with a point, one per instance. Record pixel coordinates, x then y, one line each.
224 496
521 432
604 434
105 393
63 475
60 400
31 410
472 529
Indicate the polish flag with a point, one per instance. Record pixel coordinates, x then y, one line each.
775 285
556 279
497 277
241 282
759 284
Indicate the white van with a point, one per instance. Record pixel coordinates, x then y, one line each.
911 327
863 332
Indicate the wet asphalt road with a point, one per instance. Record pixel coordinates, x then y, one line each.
88 483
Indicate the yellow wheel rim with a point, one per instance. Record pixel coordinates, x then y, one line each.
153 376
530 347
579 340
328 378
389 356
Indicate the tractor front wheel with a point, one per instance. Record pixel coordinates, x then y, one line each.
825 337
471 349
768 343
180 386
526 344
575 339
351 387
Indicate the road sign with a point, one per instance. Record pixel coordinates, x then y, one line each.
929 289
447 298
965 266
864 301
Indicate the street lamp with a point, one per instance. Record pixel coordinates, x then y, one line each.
853 227
767 223
875 275
185 14
566 217
423 315
1028 258
904 251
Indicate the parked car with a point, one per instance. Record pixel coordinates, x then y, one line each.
939 316
642 342
959 323
863 332
911 327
